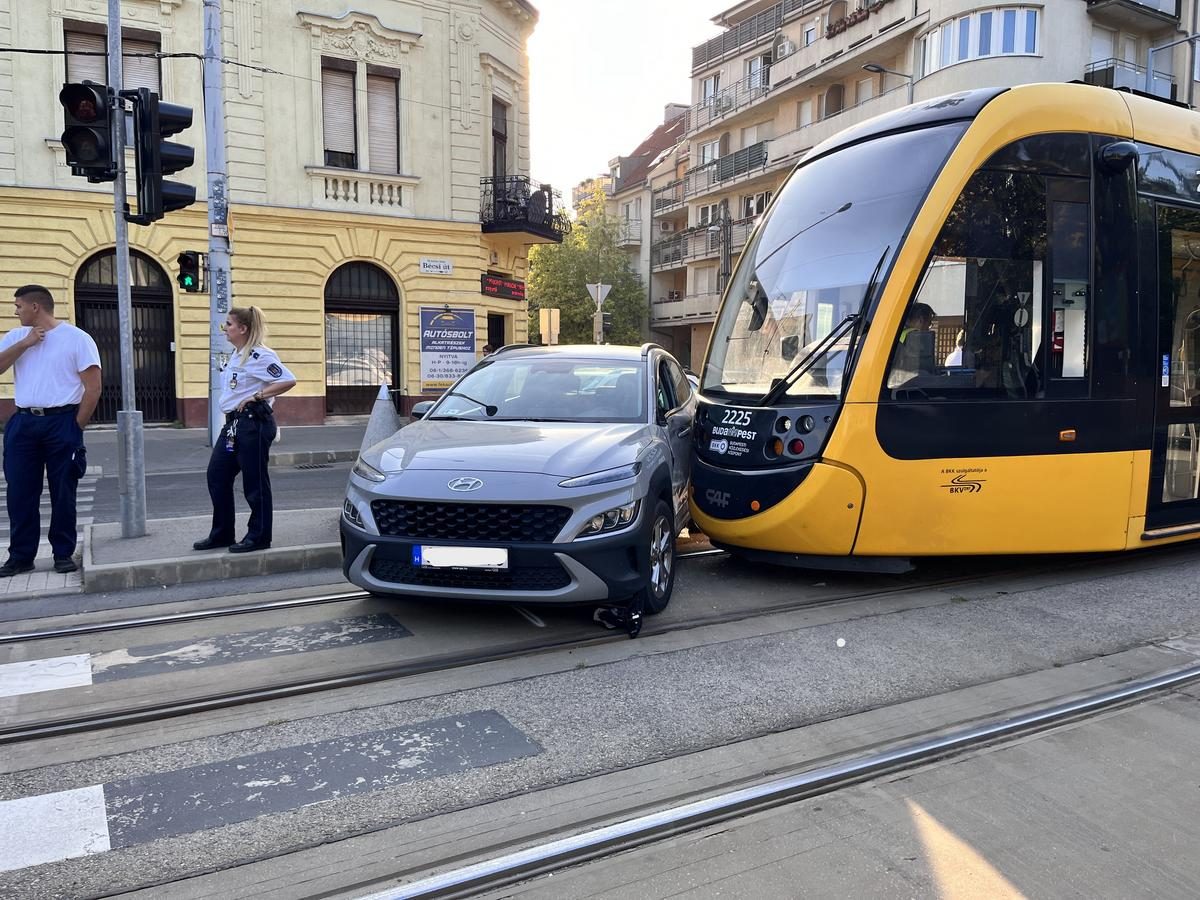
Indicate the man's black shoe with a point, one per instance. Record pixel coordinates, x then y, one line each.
209 544
64 565
12 567
248 546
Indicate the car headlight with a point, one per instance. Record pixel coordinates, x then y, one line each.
610 520
608 475
368 471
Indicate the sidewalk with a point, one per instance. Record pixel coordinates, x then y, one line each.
303 539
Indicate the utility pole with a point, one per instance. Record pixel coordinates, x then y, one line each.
131 465
219 284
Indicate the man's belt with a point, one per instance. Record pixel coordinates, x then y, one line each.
48 410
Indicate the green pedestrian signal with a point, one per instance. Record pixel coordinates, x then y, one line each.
189 271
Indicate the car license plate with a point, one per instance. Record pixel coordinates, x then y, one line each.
425 556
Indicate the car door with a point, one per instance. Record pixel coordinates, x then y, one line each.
676 408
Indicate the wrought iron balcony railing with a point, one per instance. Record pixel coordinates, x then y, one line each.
515 203
755 30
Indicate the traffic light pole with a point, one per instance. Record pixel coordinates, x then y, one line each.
131 464
219 284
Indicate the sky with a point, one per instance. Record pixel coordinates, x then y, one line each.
602 71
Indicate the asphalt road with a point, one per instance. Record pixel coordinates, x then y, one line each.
176 494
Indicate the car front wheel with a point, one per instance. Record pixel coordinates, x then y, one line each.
660 579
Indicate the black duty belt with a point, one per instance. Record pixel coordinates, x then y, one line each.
48 410
255 410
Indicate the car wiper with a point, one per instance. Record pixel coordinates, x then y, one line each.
780 387
486 407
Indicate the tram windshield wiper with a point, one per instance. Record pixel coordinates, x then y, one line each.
849 321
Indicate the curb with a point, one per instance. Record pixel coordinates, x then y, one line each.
310 457
204 566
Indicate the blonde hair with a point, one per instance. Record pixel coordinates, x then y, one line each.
252 319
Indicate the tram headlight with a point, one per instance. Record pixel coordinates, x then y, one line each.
783 424
610 520
805 424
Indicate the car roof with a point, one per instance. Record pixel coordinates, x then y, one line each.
621 352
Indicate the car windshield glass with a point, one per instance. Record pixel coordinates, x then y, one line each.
809 264
547 388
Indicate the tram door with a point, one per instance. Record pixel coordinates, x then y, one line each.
1175 468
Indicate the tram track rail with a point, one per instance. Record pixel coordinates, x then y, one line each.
78 724
504 866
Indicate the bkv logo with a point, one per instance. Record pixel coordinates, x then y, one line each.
961 484
719 446
717 498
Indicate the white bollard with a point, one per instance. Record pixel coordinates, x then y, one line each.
384 421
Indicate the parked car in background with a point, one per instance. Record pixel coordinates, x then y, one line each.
544 475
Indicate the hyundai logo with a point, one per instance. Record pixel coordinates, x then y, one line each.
465 483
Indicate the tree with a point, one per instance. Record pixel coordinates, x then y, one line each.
559 275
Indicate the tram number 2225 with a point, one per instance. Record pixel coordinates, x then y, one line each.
739 417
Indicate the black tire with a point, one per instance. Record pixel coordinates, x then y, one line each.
660 579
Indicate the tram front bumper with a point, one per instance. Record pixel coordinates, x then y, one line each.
811 509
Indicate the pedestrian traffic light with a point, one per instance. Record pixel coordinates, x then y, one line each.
153 121
605 323
87 138
189 271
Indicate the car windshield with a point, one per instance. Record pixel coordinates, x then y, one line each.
547 389
808 266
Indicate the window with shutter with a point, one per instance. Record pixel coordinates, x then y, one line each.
337 118
140 71
85 68
383 123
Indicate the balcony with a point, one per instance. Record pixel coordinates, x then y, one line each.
729 100
789 148
692 308
756 30
347 190
516 204
720 173
699 242
629 233
1116 73
668 198
1135 14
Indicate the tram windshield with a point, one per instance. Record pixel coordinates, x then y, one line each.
809 265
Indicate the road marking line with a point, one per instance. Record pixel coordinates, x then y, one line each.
530 616
37 675
53 827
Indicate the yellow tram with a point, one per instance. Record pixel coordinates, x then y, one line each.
970 326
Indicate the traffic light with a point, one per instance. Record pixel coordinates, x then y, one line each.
153 121
605 323
189 271
87 139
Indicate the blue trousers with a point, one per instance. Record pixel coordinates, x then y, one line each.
40 449
251 446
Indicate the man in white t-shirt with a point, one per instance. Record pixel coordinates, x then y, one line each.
56 367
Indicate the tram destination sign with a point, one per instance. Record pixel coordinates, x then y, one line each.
504 288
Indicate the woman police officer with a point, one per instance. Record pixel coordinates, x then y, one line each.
250 381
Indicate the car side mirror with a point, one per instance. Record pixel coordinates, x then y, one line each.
421 410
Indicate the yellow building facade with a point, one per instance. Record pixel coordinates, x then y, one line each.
381 172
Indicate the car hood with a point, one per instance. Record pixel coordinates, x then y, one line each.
563 449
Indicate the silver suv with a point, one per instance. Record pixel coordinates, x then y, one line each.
545 474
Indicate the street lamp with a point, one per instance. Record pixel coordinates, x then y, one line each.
880 70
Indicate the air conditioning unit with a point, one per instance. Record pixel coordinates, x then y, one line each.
785 47
666 227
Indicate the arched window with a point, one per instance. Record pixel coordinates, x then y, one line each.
362 337
153 311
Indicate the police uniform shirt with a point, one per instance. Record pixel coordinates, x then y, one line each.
47 374
241 381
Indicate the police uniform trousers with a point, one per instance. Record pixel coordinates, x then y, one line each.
39 449
253 430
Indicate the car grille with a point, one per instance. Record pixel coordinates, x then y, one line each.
539 578
469 521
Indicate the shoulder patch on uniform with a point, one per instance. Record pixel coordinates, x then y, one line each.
274 370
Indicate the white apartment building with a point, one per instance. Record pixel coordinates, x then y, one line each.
787 74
